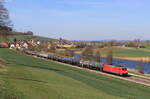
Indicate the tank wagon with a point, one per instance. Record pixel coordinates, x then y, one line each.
113 69
42 55
92 65
29 52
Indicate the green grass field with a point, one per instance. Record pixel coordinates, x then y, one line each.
132 52
25 37
147 45
25 77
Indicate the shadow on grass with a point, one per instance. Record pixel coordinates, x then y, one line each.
32 66
41 67
26 79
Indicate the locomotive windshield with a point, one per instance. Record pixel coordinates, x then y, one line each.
124 68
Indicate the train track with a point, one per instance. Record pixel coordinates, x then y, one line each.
138 79
132 77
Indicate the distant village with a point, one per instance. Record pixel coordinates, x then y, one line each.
65 44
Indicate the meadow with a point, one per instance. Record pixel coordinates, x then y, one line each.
124 52
25 77
131 53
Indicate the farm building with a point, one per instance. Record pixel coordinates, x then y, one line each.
4 45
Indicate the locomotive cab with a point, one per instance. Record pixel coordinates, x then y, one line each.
119 70
124 71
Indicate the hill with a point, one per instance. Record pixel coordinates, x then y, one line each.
25 37
25 77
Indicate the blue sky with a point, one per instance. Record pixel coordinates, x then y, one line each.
83 19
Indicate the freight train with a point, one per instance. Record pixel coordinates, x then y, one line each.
103 67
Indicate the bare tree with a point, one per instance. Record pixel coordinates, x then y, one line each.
69 53
53 48
87 54
110 57
97 56
141 66
5 23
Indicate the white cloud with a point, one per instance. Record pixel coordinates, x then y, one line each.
6 0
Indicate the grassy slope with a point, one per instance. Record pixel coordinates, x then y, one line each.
31 78
25 37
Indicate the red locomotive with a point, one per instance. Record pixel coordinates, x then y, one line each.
114 69
120 70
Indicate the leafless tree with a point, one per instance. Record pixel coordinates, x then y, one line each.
5 22
87 54
97 56
110 57
141 66
53 47
69 53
